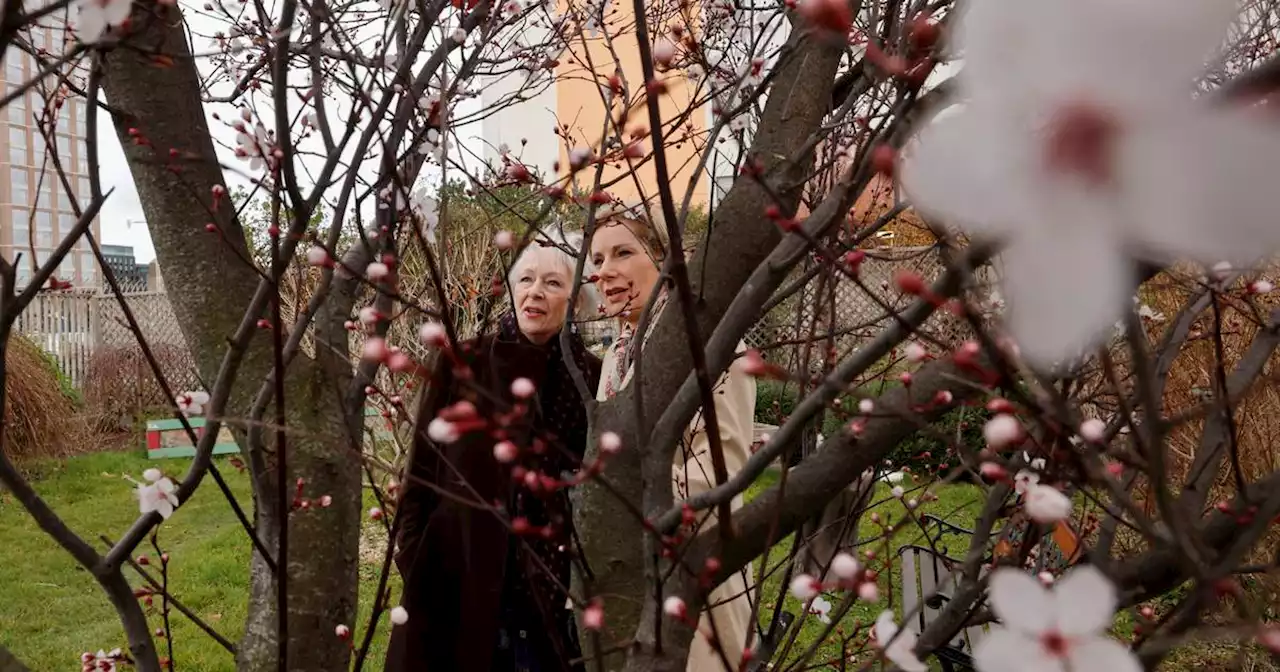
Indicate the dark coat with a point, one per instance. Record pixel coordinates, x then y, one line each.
464 573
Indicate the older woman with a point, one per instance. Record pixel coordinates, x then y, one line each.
481 548
626 251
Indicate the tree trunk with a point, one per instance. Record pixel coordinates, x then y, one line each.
210 286
741 238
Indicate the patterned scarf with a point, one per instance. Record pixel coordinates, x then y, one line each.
616 375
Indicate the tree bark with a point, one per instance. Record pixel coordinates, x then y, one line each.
210 285
742 237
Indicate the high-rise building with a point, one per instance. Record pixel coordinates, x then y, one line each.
44 122
129 274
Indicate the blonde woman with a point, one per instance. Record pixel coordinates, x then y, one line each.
626 251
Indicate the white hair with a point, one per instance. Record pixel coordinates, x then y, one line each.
556 245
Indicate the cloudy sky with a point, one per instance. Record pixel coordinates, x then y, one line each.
123 222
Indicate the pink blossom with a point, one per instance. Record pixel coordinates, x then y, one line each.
317 256
674 607
1093 430
442 431
522 388
664 52
1045 504
375 349
505 451
504 240
916 352
593 617
845 566
805 587
1001 431
433 334
610 443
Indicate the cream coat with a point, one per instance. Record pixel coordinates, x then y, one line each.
692 473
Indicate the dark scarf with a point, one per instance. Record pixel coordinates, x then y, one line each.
530 598
561 411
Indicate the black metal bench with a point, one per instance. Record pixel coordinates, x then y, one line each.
928 582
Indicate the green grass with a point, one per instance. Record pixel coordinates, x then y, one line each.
51 610
957 504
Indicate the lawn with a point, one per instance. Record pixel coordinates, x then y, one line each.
52 610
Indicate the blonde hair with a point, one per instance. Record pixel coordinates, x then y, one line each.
647 223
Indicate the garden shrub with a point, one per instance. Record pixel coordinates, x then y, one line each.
925 453
120 388
36 411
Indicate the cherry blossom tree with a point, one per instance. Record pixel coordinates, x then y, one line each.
1060 156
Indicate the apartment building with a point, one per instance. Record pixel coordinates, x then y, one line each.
35 209
540 125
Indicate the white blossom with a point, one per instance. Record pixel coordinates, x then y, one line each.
159 494
434 143
1080 144
93 17
399 615
897 644
1049 630
254 147
192 403
821 608
1045 504
428 210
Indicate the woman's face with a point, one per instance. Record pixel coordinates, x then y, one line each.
625 270
541 288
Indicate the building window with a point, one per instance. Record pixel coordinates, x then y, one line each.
17 137
44 229
83 193
23 275
64 150
66 222
19 187
21 220
18 110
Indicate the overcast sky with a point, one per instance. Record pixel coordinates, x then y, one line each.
122 219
